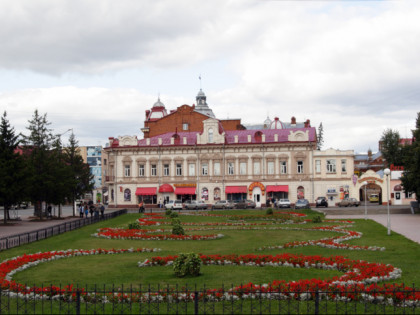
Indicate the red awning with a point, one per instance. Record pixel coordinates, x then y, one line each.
166 188
185 191
277 188
235 189
146 191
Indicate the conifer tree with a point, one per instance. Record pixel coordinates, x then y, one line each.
320 136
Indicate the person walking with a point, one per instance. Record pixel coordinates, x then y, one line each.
86 210
81 210
102 210
141 207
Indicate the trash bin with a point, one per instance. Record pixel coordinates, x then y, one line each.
414 207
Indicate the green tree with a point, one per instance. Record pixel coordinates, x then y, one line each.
38 145
320 137
411 176
12 168
80 179
391 148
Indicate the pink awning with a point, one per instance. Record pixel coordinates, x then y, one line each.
235 189
166 188
185 191
146 191
277 188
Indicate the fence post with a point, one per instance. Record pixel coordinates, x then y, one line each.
78 302
316 311
196 302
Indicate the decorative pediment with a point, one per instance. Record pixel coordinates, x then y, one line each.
128 141
298 135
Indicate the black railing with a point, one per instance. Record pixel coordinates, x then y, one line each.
191 300
33 236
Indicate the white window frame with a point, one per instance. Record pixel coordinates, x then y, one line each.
216 169
165 169
185 126
257 168
344 166
153 170
178 169
317 166
141 170
300 167
270 168
127 170
191 169
242 168
331 167
283 167
204 169
210 135
231 168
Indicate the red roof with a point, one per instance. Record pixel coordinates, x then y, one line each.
277 188
146 191
166 188
185 191
235 189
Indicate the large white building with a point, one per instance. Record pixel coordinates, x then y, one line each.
280 161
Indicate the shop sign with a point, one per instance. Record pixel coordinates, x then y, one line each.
371 180
256 184
185 185
393 167
331 191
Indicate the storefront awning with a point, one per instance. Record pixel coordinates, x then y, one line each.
185 191
235 189
277 188
166 188
146 191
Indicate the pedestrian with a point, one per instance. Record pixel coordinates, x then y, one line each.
81 210
86 210
160 203
49 211
96 211
91 209
141 207
102 210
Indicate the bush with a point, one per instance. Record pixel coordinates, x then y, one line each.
134 226
187 265
174 215
317 219
168 212
269 211
177 229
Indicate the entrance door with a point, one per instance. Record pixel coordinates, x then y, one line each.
398 200
256 192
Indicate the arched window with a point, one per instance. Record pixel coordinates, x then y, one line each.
127 195
210 133
301 192
205 194
216 193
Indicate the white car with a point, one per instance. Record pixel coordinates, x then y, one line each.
283 203
174 205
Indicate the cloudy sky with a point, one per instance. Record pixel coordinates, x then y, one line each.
96 66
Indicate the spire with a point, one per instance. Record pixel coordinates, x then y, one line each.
202 106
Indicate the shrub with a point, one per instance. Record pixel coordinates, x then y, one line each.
269 211
174 215
134 226
177 229
187 265
168 212
317 219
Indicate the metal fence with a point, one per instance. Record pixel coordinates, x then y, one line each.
191 300
33 236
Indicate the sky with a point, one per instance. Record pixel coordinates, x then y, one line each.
95 66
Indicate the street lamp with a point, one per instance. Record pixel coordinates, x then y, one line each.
365 184
387 172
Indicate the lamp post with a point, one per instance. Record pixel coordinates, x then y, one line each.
387 172
365 184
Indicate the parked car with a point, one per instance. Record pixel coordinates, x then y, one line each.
374 198
223 204
302 204
322 202
283 203
174 205
350 202
194 204
244 204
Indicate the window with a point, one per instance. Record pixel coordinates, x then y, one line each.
318 166
283 167
205 194
204 169
127 170
141 170
184 126
331 166
217 168
178 169
242 168
408 194
256 168
191 169
127 195
231 169
300 167
270 168
216 193
210 134
165 169
153 170
343 166
104 161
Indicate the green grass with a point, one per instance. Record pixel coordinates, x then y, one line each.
122 269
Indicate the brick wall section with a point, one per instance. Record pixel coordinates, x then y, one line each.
184 115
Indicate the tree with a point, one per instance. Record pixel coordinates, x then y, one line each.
12 168
37 147
81 180
411 176
320 137
391 148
